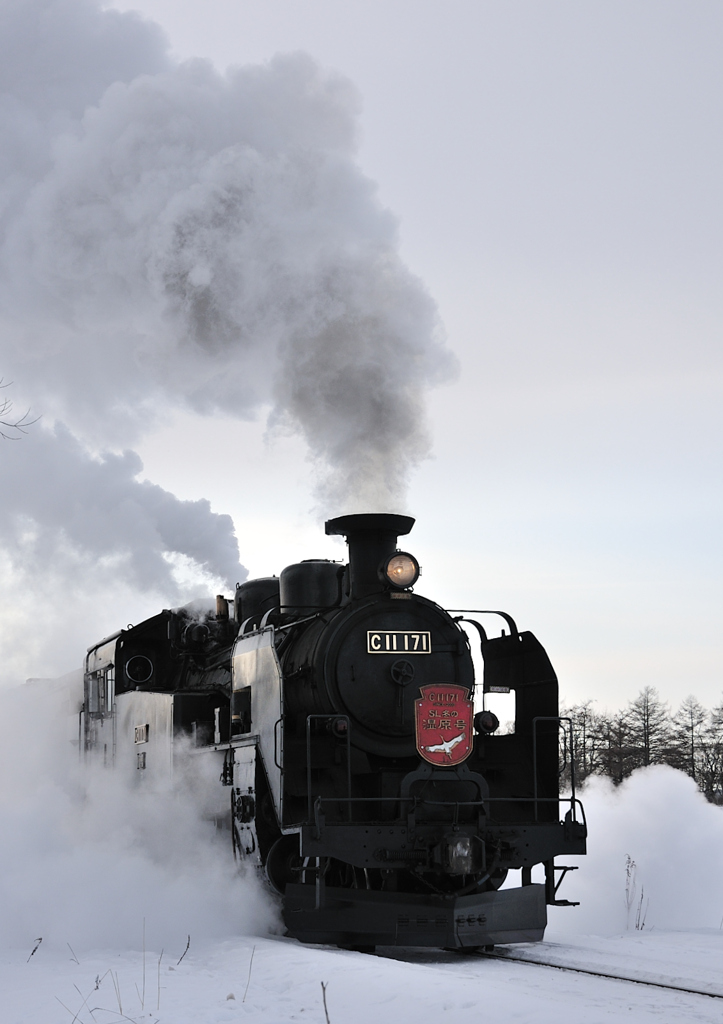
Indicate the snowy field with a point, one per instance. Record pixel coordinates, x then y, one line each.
215 986
100 873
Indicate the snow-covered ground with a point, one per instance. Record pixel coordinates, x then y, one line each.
91 866
221 984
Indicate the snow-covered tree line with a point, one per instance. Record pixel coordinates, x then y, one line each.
645 732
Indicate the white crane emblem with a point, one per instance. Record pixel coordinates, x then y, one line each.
446 746
443 723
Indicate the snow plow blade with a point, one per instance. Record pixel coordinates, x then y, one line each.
364 917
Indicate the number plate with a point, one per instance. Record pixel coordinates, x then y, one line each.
398 641
444 723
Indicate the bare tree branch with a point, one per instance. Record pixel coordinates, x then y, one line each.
15 426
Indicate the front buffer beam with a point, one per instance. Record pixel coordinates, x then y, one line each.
367 917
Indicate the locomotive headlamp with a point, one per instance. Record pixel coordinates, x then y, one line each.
462 857
401 570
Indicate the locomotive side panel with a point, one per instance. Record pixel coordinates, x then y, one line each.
256 669
144 747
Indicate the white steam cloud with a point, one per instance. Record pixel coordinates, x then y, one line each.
207 239
85 545
102 517
177 237
85 859
661 821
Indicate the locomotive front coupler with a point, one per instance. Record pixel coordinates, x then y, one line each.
440 846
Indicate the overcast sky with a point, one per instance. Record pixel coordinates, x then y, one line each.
555 170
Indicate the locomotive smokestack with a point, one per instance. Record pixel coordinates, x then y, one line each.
372 538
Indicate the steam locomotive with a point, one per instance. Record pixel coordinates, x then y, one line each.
362 770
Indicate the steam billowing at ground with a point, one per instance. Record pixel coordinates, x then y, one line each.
85 858
653 857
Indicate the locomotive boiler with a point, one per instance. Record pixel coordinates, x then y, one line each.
365 774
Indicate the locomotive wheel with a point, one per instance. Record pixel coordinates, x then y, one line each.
283 864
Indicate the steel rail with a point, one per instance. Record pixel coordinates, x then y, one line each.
601 974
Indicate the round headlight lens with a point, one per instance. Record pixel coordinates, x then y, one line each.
401 570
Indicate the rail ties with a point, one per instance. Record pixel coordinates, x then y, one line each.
602 974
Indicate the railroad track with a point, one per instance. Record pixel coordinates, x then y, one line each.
669 986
